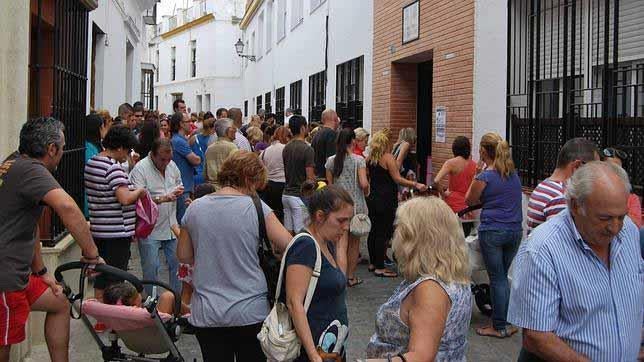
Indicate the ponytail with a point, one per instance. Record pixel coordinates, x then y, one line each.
503 161
344 140
498 149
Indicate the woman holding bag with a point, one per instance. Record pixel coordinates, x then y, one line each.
349 171
322 329
220 236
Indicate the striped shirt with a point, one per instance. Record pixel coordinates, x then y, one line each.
242 142
561 286
546 201
107 217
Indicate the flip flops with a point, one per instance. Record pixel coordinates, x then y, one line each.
386 274
352 282
489 331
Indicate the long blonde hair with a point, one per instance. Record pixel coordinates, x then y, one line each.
435 248
378 145
407 135
498 149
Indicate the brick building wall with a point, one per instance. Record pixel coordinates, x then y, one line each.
447 38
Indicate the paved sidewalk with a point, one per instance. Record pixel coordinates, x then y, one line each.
363 302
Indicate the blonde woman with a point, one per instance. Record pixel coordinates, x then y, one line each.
383 200
402 150
254 135
428 316
362 140
498 188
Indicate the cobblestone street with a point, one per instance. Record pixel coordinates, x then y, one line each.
363 302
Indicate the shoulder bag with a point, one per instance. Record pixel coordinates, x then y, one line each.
278 337
267 261
360 223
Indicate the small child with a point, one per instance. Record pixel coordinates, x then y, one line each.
124 293
407 193
308 188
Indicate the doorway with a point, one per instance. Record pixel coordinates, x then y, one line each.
424 121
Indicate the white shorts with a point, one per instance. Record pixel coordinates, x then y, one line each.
295 213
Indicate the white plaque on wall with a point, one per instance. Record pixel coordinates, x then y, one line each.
411 22
441 123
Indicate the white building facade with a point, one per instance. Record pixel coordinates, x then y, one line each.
196 59
117 46
309 55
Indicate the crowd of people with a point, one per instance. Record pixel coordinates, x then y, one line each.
221 186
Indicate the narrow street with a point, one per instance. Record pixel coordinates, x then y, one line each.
363 302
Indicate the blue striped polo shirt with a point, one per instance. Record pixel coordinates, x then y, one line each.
561 286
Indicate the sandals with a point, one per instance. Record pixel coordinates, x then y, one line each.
371 268
489 331
352 282
386 274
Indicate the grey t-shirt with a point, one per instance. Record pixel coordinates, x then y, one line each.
229 285
22 188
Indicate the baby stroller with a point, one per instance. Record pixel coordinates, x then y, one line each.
480 287
144 331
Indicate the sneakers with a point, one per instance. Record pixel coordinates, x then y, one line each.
100 327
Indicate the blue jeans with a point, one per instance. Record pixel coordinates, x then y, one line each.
499 248
181 206
149 251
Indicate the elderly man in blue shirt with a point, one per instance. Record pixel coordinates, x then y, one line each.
578 287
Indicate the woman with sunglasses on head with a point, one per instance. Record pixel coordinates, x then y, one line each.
617 157
498 188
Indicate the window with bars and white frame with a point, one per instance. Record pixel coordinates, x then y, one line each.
281 19
260 36
297 9
316 4
269 25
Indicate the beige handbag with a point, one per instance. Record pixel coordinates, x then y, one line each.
360 223
278 337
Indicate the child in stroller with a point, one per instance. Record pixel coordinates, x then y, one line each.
144 327
124 293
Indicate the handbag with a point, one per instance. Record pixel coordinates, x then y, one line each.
267 261
147 213
278 338
360 223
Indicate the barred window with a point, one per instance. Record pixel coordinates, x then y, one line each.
317 96
349 91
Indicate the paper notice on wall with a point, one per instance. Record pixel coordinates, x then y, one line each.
441 121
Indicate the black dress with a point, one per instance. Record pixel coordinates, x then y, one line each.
382 203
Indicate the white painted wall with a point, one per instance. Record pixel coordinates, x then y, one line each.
218 66
14 79
112 80
490 69
300 53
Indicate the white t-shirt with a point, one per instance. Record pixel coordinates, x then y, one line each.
274 162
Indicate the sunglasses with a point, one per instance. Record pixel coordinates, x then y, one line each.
613 152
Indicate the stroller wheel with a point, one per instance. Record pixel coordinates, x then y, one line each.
482 298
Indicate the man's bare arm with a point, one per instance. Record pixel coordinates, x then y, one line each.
549 347
65 207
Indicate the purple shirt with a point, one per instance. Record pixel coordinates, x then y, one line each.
501 200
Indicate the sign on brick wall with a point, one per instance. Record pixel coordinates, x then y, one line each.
441 123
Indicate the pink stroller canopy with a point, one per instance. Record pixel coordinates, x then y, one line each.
120 317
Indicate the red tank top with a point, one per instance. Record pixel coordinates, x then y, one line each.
458 186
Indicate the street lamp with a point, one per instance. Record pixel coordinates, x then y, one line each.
239 47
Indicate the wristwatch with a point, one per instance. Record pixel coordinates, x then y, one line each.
40 273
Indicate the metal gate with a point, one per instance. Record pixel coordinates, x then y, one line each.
575 69
68 72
